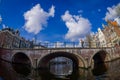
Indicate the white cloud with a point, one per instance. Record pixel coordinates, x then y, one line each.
0 19
52 11
4 26
36 18
78 27
113 12
80 11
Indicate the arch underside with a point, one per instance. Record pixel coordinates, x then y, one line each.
77 60
21 58
99 57
21 63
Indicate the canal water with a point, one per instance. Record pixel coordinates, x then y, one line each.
102 71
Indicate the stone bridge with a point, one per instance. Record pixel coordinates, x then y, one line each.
83 57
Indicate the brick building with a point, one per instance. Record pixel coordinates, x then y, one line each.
10 38
112 33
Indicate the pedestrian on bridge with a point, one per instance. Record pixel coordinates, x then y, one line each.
82 43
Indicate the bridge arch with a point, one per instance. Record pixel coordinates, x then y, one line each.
99 57
21 57
76 58
21 63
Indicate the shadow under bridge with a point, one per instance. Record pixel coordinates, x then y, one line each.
21 58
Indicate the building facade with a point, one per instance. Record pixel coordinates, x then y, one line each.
107 33
114 32
10 38
109 36
101 37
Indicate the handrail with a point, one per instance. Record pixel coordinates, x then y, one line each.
70 45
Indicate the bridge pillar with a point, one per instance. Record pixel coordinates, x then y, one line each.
34 63
86 62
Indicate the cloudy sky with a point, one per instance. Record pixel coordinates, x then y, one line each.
57 20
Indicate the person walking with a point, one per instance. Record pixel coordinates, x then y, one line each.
82 43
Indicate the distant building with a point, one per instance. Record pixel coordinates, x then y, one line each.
118 20
114 32
96 39
110 34
101 38
10 38
6 38
107 33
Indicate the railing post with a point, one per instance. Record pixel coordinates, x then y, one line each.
65 44
74 44
55 44
46 44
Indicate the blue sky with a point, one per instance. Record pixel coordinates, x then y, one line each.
56 20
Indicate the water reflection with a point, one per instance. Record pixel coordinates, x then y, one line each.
1 78
105 71
23 69
99 69
61 66
49 76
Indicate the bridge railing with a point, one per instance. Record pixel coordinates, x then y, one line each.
70 45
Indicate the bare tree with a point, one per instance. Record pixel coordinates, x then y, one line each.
89 40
